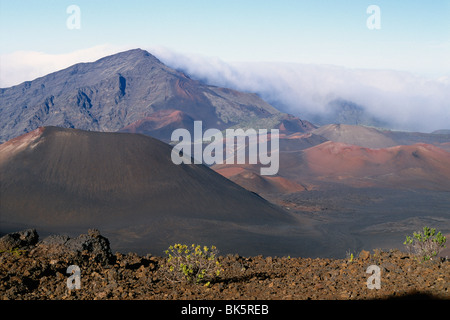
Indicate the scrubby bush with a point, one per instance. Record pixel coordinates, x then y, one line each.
193 264
14 251
426 244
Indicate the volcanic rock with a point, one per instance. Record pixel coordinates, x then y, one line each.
18 240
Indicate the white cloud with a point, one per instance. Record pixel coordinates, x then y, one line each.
20 66
405 100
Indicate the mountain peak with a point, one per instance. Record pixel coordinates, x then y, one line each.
135 60
116 91
131 54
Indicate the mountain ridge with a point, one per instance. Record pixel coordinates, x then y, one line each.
115 91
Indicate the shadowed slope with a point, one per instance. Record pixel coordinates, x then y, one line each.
60 180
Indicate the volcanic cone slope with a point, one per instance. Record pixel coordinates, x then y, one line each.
68 180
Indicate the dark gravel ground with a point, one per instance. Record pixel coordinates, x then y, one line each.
38 271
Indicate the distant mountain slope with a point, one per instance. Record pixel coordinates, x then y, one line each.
248 175
418 166
260 184
340 111
331 164
442 131
356 135
116 91
66 180
408 138
369 137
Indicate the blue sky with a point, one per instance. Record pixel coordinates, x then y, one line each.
300 53
414 35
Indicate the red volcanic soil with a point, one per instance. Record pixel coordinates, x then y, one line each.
160 124
186 90
257 183
445 146
157 120
419 165
19 143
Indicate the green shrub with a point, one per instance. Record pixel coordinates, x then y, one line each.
426 244
192 264
14 251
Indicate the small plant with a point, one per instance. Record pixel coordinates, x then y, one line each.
14 251
192 264
426 244
350 256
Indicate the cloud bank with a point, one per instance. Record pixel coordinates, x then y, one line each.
403 100
21 66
